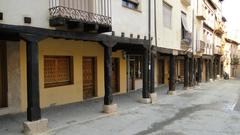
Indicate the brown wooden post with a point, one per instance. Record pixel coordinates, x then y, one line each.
172 73
152 80
190 72
199 70
33 108
145 91
186 72
108 99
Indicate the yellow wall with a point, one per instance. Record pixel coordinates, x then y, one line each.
69 93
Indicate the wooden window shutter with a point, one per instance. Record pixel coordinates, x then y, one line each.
58 70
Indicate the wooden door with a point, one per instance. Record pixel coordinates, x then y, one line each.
115 75
160 71
89 77
3 75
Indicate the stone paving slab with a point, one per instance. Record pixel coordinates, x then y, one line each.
181 114
206 110
62 116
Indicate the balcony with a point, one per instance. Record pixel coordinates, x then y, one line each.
200 46
186 2
81 15
186 41
219 27
219 50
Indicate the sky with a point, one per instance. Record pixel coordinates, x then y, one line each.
231 11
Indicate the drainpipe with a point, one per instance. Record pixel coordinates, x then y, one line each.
150 47
155 21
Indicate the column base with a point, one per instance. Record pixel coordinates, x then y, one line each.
153 97
218 77
171 92
144 100
109 109
210 80
35 127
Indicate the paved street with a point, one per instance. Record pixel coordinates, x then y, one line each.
209 109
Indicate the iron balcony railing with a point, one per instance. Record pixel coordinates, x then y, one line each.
86 11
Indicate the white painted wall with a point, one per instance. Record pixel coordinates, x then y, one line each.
15 10
130 21
171 38
123 19
227 55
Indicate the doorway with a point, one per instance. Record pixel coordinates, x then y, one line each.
160 71
115 75
135 72
89 77
3 76
131 75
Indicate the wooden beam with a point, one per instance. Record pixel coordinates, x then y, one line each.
70 35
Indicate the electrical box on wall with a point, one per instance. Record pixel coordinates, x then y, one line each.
27 20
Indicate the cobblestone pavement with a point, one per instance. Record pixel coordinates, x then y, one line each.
208 109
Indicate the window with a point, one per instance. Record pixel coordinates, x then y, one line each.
167 15
58 71
138 67
183 25
185 31
132 4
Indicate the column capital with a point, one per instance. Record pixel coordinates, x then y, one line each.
32 37
109 42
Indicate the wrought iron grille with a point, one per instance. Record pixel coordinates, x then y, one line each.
86 11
